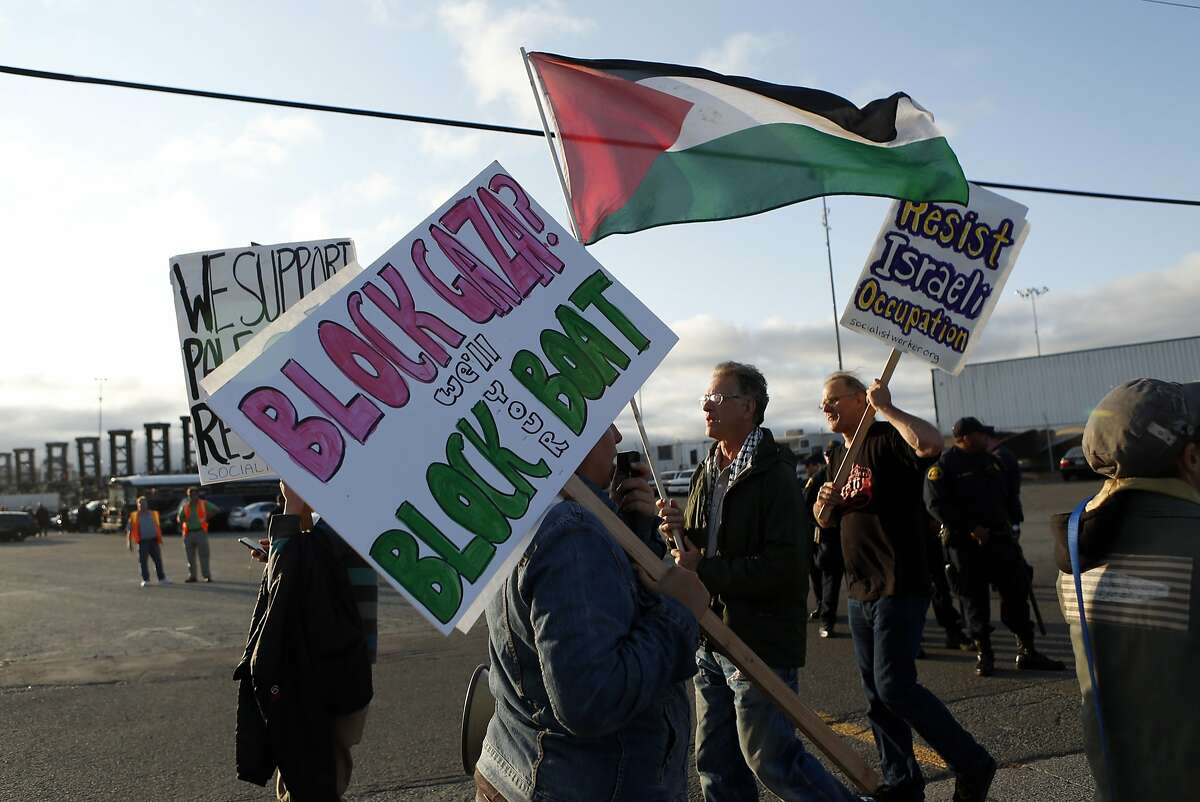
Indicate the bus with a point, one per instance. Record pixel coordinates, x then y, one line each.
164 493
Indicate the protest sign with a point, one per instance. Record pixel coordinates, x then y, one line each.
432 408
222 299
935 273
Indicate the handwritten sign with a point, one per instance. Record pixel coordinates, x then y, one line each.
935 274
432 408
222 299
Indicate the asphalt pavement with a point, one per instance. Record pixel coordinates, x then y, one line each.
112 691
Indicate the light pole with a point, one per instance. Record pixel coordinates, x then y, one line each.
837 333
1032 293
100 380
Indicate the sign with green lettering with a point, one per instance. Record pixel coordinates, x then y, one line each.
434 405
935 273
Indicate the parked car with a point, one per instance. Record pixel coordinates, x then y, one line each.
253 516
17 525
1074 466
677 483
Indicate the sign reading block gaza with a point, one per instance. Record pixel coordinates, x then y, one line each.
222 299
935 274
432 408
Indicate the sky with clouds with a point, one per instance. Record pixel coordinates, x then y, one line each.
101 186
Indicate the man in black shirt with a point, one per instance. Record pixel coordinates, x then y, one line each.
878 509
967 491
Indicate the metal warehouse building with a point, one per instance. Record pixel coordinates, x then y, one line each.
1056 391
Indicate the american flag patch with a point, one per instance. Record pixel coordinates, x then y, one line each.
1134 590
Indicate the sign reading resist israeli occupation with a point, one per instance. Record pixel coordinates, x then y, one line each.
432 408
222 299
935 273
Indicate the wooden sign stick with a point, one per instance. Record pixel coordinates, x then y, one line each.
808 722
856 442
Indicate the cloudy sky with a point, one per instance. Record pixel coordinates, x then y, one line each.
101 186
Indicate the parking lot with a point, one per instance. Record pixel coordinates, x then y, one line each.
110 691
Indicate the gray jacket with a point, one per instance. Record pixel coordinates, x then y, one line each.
1140 540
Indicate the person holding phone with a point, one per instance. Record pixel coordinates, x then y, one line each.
308 658
588 658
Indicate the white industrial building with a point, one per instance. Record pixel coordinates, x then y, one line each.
1056 391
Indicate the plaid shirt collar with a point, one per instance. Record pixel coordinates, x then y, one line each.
741 462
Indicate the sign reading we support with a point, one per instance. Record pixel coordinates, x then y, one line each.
222 299
432 408
935 274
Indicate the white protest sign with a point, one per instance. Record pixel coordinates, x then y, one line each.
222 299
935 273
432 408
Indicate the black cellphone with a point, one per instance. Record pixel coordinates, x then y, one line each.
625 461
250 544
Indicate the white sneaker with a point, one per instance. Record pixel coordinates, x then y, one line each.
145 583
164 581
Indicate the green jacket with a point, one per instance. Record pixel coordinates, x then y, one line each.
758 578
1140 540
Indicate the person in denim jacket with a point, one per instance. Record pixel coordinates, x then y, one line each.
588 661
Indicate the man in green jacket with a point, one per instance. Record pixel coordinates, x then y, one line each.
743 529
1139 545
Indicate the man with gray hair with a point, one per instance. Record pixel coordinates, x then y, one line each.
1138 543
743 533
877 505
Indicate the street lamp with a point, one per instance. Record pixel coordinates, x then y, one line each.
837 333
1032 294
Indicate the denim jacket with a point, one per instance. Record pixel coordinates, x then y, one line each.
587 670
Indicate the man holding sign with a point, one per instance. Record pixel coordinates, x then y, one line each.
878 508
587 667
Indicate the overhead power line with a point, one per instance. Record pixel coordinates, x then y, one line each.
477 126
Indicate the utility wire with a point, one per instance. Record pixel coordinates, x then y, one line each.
1177 5
477 126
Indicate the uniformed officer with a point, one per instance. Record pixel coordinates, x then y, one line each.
966 491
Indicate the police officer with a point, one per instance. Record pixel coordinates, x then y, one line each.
967 492
826 566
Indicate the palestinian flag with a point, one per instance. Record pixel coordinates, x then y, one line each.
649 144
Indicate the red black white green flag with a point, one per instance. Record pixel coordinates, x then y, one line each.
649 144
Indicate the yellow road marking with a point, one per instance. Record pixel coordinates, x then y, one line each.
924 754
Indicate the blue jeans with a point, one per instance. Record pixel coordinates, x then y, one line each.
741 733
150 549
886 636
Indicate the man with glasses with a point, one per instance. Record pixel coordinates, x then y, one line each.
744 535
878 505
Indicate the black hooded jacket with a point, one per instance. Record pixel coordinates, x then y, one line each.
305 664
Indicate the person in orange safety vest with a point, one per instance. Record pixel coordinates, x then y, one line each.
146 531
193 524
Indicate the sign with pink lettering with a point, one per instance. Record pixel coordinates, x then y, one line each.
432 407
222 299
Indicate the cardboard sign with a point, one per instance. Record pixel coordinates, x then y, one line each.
222 299
432 408
935 274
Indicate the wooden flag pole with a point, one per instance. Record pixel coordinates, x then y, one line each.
856 442
808 722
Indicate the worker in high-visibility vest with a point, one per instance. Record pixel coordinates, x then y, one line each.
193 523
146 531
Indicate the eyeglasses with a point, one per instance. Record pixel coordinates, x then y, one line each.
833 402
717 398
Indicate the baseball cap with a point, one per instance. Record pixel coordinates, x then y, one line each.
966 426
1140 428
